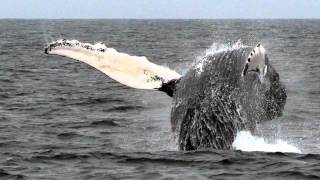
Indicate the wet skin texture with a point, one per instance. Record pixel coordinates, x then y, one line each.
210 107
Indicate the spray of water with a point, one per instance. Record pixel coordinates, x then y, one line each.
245 141
214 49
46 36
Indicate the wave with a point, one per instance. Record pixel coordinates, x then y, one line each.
245 141
6 175
106 122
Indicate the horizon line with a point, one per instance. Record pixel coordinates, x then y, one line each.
160 18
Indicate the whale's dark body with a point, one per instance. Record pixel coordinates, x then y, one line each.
210 107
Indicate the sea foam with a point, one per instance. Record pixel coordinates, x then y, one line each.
245 141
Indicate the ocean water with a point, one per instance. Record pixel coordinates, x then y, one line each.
61 119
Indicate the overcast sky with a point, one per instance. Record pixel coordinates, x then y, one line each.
154 9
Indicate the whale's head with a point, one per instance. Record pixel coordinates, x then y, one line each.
256 62
264 96
234 90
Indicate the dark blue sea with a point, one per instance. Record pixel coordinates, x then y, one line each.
62 119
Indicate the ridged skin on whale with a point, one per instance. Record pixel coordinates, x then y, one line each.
236 89
211 107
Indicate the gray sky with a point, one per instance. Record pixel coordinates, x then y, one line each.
154 9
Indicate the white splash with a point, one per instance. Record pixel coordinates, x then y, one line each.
214 49
245 141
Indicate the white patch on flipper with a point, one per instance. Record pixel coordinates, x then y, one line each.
133 71
265 70
256 62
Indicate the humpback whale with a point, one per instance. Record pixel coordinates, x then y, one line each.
234 90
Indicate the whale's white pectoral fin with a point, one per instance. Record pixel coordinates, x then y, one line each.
256 61
133 71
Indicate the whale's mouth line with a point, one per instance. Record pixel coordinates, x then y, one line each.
254 70
246 70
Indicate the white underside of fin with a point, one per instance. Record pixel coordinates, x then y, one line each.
133 71
256 61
